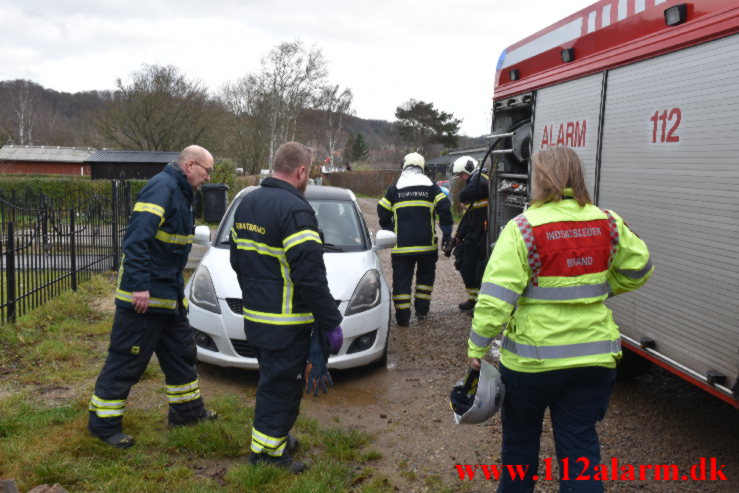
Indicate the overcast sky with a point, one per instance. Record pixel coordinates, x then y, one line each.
385 51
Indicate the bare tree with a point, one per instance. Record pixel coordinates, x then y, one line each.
19 100
160 109
334 105
290 79
247 132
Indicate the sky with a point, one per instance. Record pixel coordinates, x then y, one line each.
385 51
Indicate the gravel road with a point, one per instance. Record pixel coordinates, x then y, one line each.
656 419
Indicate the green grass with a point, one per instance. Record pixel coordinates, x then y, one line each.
48 364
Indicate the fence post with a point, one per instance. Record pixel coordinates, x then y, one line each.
129 198
116 247
10 271
73 249
44 222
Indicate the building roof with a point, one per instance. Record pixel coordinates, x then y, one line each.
45 153
145 157
469 151
438 161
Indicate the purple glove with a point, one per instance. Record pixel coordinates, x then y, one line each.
335 338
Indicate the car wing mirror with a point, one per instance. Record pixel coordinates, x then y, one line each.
202 235
384 239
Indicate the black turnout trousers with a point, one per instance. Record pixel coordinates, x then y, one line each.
280 386
404 266
133 340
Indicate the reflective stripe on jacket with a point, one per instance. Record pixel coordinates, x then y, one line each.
555 265
411 212
157 242
277 254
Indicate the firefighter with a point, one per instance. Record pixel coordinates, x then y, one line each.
151 311
469 243
550 272
290 316
410 208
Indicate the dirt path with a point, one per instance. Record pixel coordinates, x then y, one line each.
658 419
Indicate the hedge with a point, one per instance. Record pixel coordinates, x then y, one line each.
372 183
63 191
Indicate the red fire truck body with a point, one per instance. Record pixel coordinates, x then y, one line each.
647 93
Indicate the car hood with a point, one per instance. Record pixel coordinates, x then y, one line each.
343 270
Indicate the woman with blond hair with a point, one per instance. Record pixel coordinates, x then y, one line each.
550 272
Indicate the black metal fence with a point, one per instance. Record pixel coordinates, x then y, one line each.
47 248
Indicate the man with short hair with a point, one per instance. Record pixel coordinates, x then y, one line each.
151 311
290 316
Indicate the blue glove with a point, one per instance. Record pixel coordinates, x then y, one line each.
316 373
335 339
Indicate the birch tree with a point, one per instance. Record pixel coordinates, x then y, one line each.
334 105
290 79
247 132
19 100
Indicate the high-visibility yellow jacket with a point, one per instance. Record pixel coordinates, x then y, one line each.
545 283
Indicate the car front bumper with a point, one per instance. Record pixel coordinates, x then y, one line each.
226 330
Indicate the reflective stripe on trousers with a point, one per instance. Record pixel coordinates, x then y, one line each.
261 443
177 394
423 291
107 408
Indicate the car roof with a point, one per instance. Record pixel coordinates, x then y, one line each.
317 192
327 193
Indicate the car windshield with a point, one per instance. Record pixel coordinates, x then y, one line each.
338 220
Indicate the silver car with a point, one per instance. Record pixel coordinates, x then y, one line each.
354 277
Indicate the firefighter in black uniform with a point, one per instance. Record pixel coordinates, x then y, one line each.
277 253
469 243
410 208
151 312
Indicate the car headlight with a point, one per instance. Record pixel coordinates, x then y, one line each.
367 294
202 292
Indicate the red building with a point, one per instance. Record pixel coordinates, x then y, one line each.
45 160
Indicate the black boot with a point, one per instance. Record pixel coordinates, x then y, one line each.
468 305
119 440
285 461
292 443
175 420
403 317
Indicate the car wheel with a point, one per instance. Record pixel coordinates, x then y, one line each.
382 361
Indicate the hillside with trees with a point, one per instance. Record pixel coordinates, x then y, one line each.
290 98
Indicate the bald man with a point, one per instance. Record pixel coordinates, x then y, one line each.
150 314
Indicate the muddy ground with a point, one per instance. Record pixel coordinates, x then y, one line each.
656 419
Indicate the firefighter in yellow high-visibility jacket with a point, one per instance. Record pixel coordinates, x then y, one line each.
550 272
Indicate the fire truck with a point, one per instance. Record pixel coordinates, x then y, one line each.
647 93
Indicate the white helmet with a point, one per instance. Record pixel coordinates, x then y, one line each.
464 164
478 396
413 159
